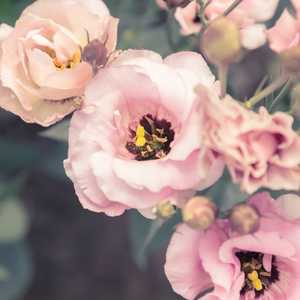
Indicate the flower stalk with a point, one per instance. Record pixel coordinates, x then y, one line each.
277 84
232 7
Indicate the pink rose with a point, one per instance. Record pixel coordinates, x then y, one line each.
260 150
137 139
249 16
43 67
286 32
263 265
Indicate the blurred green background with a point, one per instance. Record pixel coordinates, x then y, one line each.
52 249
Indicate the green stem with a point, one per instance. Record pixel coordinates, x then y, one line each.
169 32
232 7
223 77
267 91
203 4
281 94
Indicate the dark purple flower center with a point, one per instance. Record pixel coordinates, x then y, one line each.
257 278
151 139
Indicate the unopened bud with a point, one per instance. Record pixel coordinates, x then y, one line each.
295 96
244 219
95 53
164 210
199 213
221 42
290 59
177 3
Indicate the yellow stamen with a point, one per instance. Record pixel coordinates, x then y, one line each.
75 60
140 136
248 104
256 282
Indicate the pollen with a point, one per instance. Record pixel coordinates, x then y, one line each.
256 282
74 61
140 136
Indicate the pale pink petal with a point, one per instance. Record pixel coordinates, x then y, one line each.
285 34
183 265
253 36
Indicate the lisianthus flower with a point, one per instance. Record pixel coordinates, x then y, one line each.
286 32
262 266
249 16
137 139
260 149
44 61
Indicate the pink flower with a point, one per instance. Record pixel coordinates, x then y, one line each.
262 266
162 4
260 150
43 71
137 139
286 32
248 16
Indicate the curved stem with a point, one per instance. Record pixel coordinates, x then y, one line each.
223 77
274 86
232 7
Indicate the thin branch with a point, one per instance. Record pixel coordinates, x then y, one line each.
232 7
267 91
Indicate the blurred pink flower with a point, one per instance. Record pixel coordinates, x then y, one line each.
286 32
42 68
260 150
162 4
263 265
249 16
137 139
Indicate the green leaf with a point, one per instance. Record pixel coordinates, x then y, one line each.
14 221
16 261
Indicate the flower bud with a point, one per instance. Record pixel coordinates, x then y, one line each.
199 213
95 53
244 219
221 42
290 59
295 96
177 3
164 210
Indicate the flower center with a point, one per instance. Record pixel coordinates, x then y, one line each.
70 64
257 278
151 139
61 65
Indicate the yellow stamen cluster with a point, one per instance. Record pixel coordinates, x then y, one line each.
256 282
75 60
140 136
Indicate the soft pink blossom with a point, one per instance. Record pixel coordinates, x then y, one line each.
111 171
162 4
286 32
260 149
42 71
249 16
216 260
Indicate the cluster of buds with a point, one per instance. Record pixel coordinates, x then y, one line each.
200 213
